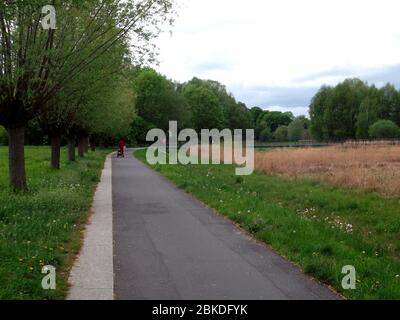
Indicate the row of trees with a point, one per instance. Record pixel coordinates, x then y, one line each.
355 110
72 81
351 110
198 104
205 104
279 126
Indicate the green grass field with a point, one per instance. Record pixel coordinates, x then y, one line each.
319 227
43 226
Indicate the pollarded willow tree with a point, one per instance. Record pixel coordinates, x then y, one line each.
36 64
66 113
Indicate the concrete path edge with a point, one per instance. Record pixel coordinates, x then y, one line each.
92 276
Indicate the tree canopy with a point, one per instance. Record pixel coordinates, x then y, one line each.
347 110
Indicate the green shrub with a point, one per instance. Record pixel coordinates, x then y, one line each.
3 136
384 129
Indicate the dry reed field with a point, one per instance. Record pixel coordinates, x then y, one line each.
372 167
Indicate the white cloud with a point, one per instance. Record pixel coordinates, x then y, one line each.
281 44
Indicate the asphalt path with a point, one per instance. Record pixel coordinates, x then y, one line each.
169 246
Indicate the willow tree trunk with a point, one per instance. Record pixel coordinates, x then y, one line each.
81 147
16 141
55 151
71 149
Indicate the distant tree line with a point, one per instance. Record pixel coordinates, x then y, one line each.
198 104
204 104
355 110
279 126
351 110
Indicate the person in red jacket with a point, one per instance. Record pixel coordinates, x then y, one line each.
121 148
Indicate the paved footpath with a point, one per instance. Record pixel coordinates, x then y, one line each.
92 277
168 245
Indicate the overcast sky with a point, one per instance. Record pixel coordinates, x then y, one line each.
277 53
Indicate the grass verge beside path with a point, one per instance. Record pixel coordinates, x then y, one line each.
43 226
319 227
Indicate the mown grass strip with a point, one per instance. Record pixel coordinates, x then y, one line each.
319 227
44 226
